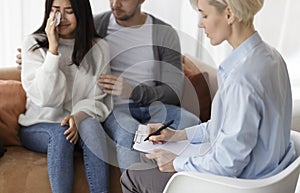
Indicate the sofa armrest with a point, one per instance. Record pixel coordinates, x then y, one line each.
296 115
10 73
196 65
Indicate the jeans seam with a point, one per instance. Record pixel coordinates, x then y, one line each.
88 173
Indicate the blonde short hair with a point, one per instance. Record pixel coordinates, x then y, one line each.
243 10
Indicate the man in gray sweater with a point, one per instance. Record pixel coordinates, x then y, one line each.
146 80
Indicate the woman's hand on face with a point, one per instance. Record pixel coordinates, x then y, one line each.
52 34
71 132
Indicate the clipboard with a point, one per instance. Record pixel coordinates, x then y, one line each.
139 137
180 148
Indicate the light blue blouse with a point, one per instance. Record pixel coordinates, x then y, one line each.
249 130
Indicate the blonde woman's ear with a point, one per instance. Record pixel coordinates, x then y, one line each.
229 16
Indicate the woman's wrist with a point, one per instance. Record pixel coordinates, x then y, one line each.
53 51
80 116
180 135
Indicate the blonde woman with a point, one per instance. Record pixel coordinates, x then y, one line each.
249 130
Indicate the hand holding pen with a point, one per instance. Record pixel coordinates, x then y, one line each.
160 133
157 131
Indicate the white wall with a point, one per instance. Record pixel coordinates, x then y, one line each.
279 25
16 19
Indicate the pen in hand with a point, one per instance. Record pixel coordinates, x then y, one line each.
160 129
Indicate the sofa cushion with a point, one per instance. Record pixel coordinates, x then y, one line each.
10 73
196 95
12 104
193 65
296 115
2 149
22 171
203 93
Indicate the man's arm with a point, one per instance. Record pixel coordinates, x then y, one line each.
167 53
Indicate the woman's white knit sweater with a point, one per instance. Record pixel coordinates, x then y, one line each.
56 88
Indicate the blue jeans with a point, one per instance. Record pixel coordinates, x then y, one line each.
49 138
122 123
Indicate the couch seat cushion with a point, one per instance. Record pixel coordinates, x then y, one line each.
22 171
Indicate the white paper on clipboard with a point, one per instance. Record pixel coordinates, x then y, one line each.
181 148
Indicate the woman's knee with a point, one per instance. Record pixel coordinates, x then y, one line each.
59 139
91 129
89 122
57 131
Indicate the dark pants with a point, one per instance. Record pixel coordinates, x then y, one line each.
144 178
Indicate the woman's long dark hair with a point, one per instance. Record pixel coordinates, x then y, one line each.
85 31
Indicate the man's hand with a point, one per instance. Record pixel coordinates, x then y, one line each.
164 160
166 134
115 85
19 58
71 132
